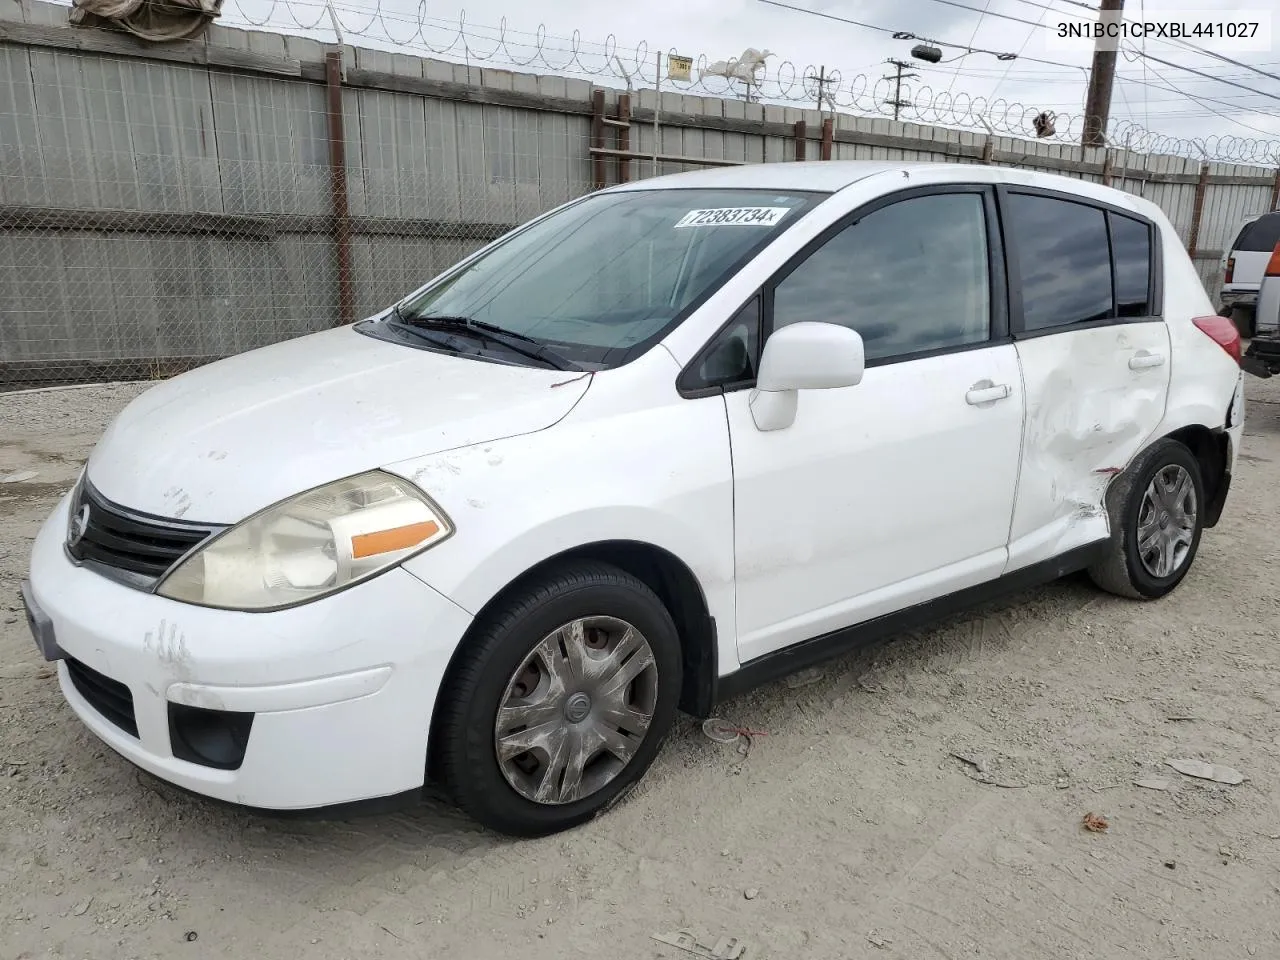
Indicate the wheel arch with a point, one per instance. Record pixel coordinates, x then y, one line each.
1212 450
666 575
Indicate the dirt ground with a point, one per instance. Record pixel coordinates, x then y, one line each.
851 830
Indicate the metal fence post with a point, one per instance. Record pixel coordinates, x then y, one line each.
338 189
1197 210
598 171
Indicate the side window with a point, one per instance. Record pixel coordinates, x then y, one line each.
1063 254
1131 251
909 277
731 357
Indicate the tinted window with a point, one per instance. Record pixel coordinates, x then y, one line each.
1131 249
1063 254
909 277
1261 236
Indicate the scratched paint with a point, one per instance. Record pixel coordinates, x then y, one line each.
178 501
168 644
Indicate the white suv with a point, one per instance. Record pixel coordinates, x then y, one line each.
669 441
1243 265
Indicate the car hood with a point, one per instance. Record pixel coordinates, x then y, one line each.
228 439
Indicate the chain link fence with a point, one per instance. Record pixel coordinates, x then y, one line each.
154 217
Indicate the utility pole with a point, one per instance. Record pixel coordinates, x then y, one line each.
1097 104
897 102
823 96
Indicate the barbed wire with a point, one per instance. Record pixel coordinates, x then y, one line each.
785 82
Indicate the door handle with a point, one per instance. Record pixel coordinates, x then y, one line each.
984 391
1144 360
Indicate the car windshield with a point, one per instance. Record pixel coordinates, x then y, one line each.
611 273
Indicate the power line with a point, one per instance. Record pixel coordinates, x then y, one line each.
907 35
1207 76
1030 33
1146 105
1007 16
974 36
1018 56
1034 24
1041 77
832 16
1203 101
1225 59
1075 3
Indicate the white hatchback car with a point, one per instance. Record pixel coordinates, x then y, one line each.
664 443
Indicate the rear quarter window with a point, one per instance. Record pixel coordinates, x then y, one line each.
1131 253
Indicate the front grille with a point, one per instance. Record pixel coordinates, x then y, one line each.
111 698
138 545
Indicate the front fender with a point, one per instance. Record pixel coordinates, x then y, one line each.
660 476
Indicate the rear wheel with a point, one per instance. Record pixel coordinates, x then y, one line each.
561 701
1157 517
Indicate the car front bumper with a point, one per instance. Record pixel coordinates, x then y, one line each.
337 694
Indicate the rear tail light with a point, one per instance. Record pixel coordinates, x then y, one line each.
1223 332
1273 265
1231 270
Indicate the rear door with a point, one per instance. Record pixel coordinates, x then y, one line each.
1085 314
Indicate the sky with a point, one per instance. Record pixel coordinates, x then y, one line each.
1158 97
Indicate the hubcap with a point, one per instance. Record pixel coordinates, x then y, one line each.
577 707
576 710
1167 521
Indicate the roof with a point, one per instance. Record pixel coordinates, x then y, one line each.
826 176
830 176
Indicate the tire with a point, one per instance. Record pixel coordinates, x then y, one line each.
1245 320
515 795
1124 571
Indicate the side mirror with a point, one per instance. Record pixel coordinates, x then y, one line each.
803 356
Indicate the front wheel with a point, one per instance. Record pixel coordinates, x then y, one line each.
1157 517
561 700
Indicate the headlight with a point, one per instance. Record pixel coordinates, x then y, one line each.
310 545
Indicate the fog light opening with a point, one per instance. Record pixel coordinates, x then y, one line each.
211 738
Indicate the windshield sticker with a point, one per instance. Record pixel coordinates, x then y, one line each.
733 217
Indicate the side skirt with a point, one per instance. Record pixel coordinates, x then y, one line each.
782 663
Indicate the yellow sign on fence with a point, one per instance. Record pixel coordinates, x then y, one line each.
679 68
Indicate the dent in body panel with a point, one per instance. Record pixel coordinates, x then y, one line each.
1088 414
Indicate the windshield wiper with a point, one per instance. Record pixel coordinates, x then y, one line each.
423 333
515 342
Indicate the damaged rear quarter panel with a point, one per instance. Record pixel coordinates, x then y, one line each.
1088 414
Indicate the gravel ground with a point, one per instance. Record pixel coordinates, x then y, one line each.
851 830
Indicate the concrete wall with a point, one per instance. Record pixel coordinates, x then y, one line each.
162 206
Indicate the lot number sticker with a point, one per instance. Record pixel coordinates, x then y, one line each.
733 217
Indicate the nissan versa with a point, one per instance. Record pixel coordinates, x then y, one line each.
666 442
